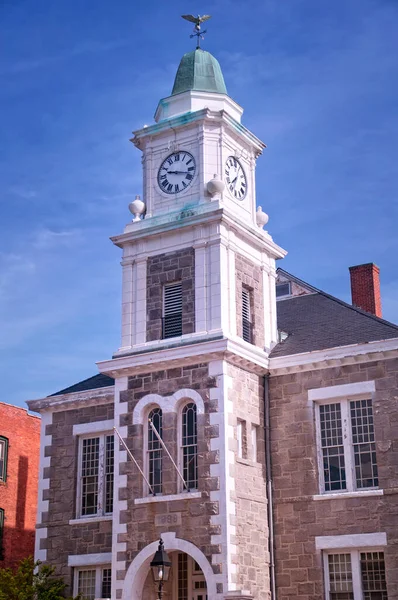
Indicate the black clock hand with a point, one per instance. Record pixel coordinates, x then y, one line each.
178 172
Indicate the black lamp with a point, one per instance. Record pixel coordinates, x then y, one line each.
160 566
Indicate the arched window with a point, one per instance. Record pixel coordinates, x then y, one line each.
189 449
155 451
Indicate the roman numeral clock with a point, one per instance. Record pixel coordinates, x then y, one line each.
235 178
176 172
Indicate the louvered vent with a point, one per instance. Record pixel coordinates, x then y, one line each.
246 317
172 310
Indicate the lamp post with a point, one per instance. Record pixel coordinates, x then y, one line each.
160 566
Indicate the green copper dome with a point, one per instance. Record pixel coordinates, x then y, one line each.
199 71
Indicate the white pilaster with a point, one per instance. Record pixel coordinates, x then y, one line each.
140 300
200 288
268 313
127 305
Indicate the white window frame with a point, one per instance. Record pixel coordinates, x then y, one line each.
289 283
343 395
4 454
101 476
98 579
147 491
181 487
355 556
253 440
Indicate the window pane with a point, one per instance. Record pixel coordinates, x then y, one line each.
189 446
283 289
106 583
86 584
109 456
363 439
3 458
90 465
332 447
340 577
155 451
182 576
373 575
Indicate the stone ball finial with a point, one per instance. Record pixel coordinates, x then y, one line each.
261 217
137 208
215 186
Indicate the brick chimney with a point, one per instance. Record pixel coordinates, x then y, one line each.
365 288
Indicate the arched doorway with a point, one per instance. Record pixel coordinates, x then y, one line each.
138 584
186 582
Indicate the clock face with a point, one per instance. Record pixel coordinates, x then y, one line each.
176 172
235 178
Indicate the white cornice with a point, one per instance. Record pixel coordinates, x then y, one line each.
332 357
204 214
235 351
87 398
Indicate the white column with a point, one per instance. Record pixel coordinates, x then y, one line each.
200 288
232 292
272 297
140 300
214 287
268 314
224 287
127 305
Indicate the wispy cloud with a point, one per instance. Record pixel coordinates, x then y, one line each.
81 49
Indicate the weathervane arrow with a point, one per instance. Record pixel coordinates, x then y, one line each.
196 31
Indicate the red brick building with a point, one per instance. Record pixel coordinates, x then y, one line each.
19 474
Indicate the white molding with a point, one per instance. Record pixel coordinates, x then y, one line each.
137 572
320 359
355 540
96 427
88 560
168 404
86 520
341 495
342 391
234 350
168 497
73 400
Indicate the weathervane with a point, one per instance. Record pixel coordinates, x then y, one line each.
196 31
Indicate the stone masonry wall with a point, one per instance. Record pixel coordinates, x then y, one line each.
249 276
193 513
247 395
167 268
64 539
299 518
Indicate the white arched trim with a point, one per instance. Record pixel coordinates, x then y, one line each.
167 403
139 568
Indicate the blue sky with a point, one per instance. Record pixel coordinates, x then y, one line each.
318 81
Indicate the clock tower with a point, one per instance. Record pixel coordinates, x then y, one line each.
198 322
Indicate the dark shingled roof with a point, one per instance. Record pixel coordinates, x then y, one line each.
92 383
317 321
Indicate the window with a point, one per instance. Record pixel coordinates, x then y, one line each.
242 439
247 325
96 475
283 289
155 451
348 448
189 581
3 458
1 533
93 582
254 442
190 446
172 310
355 575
